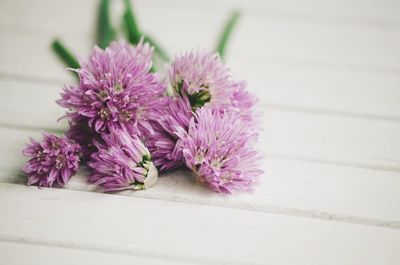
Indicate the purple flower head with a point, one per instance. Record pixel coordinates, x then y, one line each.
171 123
53 160
219 150
122 162
116 89
242 102
205 80
202 77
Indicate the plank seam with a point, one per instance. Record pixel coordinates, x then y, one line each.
121 250
266 209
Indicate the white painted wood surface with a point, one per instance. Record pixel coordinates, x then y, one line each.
328 77
194 233
31 253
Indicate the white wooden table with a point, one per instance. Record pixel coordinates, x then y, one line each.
328 75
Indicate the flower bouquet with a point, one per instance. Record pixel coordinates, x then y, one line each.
128 121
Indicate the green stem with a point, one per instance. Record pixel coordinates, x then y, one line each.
64 54
227 32
105 32
132 28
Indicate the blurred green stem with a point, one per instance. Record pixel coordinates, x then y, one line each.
131 24
227 32
134 34
105 32
64 54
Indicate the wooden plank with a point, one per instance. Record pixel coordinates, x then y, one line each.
295 86
43 14
363 48
31 104
288 187
186 232
22 253
332 139
370 14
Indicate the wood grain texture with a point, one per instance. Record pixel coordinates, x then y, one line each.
26 254
289 187
369 14
372 13
365 48
221 236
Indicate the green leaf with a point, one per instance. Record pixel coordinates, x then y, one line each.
64 54
227 32
105 32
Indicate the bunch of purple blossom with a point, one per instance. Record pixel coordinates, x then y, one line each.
204 91
205 80
124 125
53 160
122 162
219 149
172 119
116 88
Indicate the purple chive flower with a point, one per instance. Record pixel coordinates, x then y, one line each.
122 162
53 160
172 121
242 102
202 77
207 81
116 89
219 150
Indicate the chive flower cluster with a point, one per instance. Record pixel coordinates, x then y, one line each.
127 123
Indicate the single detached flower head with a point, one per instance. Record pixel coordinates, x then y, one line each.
53 160
116 89
202 77
219 150
122 162
171 123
